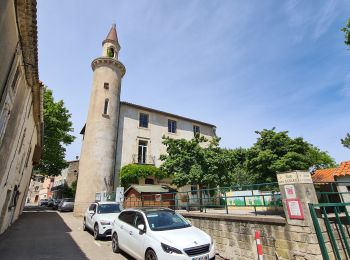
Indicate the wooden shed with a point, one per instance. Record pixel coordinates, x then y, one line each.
149 196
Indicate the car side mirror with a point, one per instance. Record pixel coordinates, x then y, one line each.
141 227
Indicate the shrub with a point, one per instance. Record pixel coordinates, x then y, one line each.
131 173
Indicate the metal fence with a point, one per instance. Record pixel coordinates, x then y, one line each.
263 198
337 229
333 192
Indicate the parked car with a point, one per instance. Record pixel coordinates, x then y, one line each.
66 204
43 202
50 202
158 233
99 218
56 203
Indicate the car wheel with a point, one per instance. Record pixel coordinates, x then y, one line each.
115 243
84 225
151 255
96 233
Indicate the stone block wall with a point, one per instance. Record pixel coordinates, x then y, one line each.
234 236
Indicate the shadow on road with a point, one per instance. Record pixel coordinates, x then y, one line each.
39 235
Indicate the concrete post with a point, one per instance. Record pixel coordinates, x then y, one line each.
297 187
297 191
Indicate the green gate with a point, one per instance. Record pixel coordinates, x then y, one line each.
332 225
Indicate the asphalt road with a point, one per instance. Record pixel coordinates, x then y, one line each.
41 234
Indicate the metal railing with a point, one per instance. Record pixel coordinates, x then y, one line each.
261 198
333 192
336 225
148 159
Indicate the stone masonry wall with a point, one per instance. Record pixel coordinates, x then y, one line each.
234 236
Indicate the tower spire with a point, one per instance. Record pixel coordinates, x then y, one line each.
112 35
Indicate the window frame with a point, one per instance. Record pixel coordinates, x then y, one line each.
93 207
122 214
172 126
141 121
196 129
142 158
138 214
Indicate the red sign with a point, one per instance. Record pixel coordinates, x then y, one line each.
295 210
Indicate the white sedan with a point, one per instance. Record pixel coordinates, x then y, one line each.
159 233
99 217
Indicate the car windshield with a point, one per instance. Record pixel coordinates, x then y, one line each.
165 220
108 208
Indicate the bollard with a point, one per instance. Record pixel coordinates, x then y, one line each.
258 245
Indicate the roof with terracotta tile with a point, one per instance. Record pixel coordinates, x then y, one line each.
324 175
343 169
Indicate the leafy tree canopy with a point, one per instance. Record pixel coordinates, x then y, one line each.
202 162
57 128
346 31
69 192
346 141
131 173
197 161
277 152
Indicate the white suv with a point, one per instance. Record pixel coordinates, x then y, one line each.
159 233
99 217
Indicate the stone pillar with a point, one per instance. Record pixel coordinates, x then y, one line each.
297 191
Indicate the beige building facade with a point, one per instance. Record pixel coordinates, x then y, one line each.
66 179
120 133
141 130
36 184
21 119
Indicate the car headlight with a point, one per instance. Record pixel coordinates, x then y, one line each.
105 223
170 249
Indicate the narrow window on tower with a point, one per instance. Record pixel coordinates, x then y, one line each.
105 109
143 120
106 85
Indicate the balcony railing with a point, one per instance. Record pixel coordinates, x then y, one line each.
143 160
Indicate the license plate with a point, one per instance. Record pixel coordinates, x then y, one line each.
204 257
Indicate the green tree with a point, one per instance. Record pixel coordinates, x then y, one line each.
69 192
57 128
196 162
346 30
346 141
132 173
277 152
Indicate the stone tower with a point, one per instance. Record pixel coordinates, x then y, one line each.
98 153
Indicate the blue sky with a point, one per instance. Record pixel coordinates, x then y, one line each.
241 65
